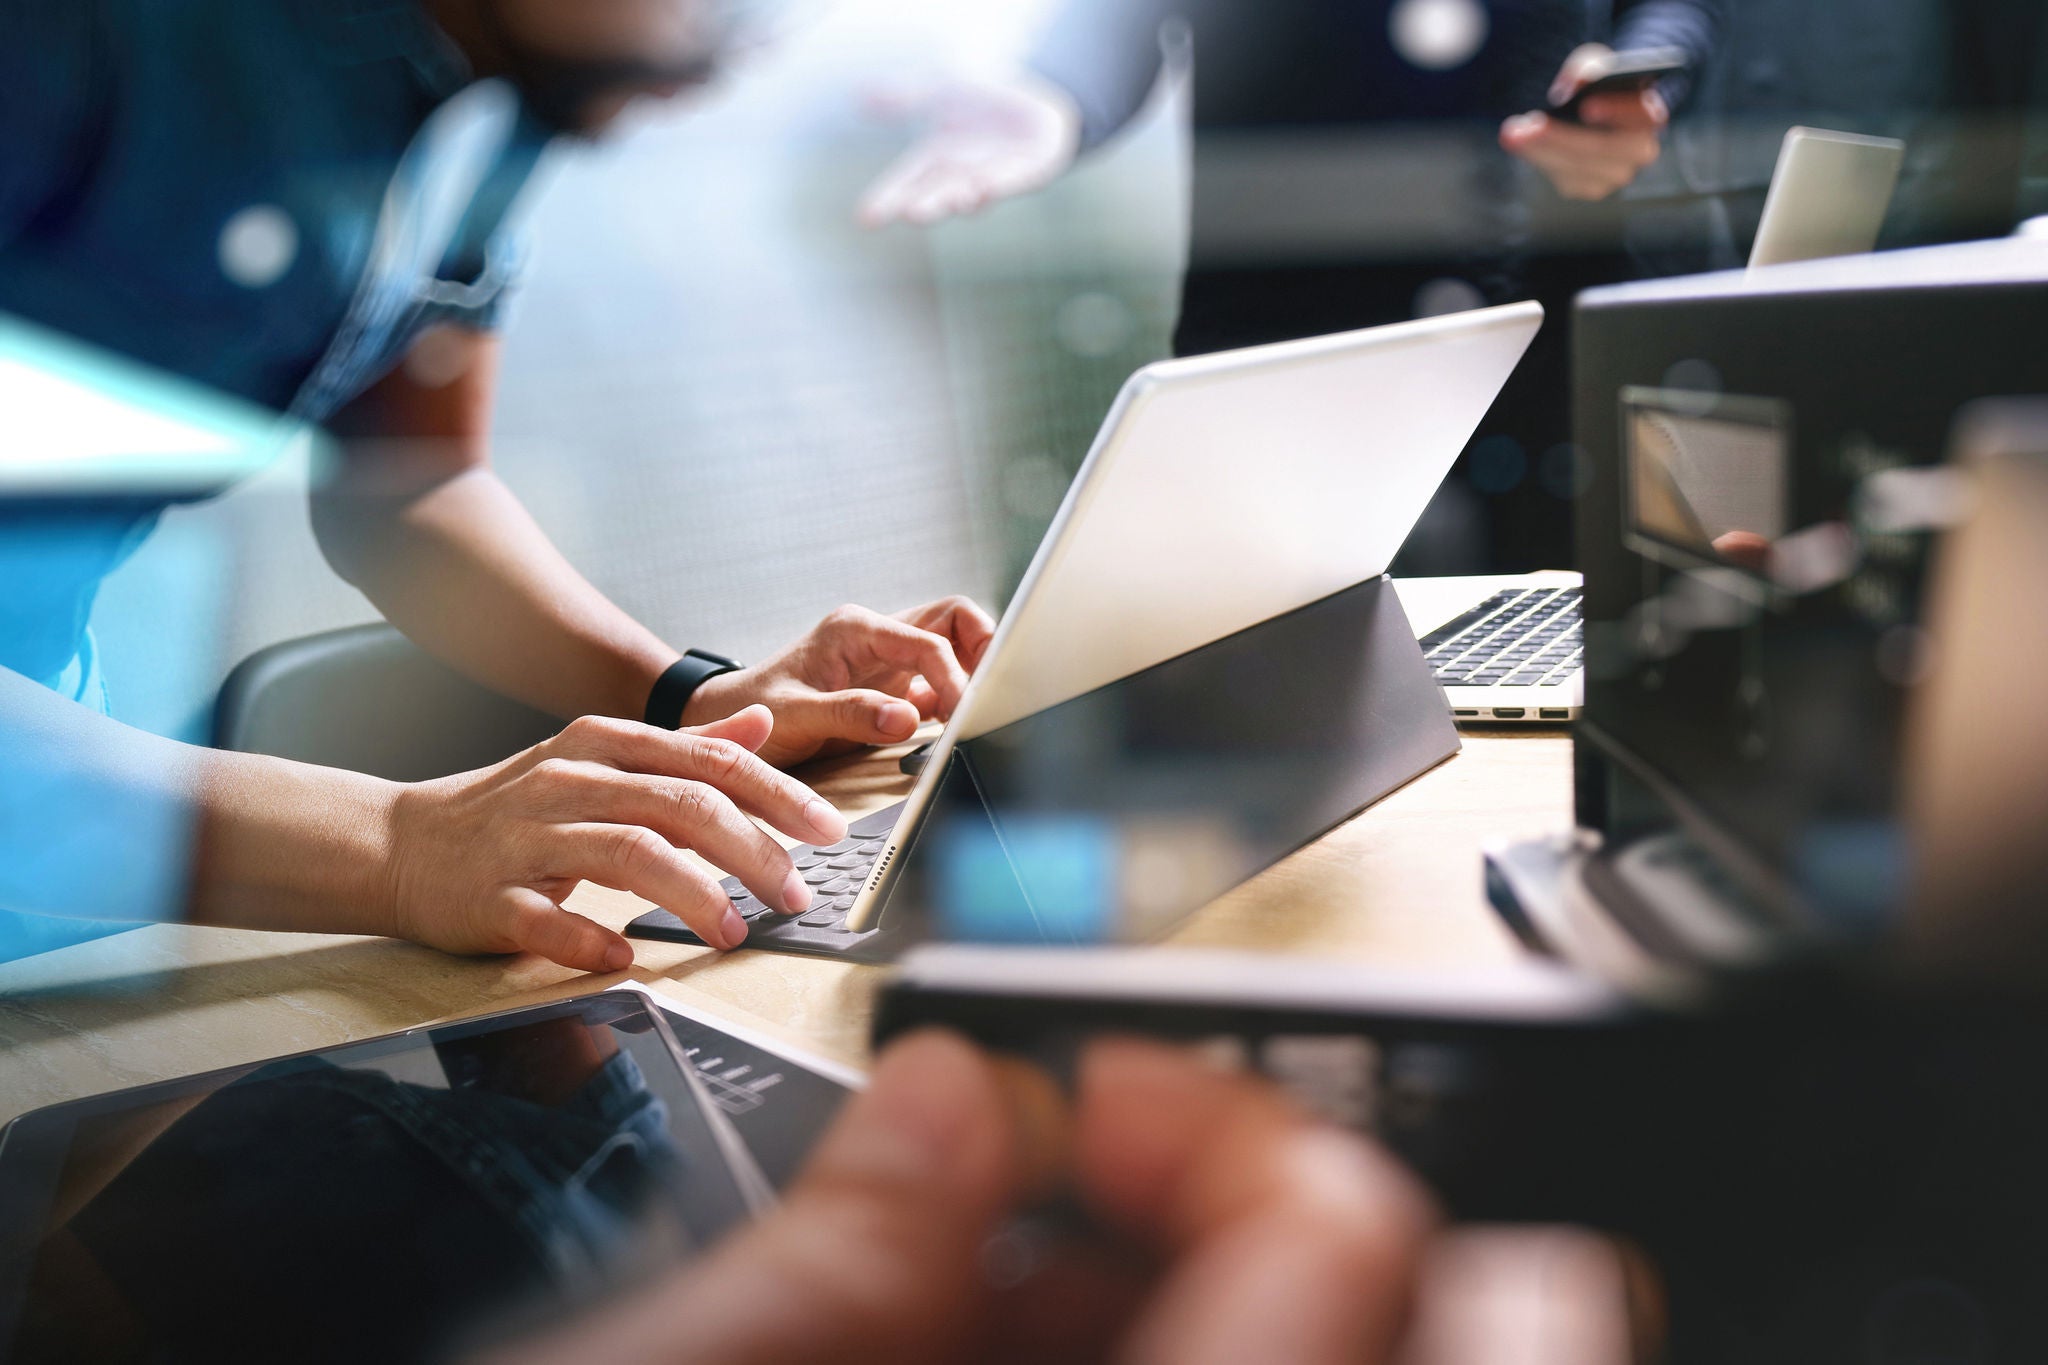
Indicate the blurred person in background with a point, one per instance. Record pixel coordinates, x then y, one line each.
1223 1225
312 205
1342 176
1354 166
1963 82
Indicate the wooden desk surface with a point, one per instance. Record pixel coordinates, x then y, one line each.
1398 885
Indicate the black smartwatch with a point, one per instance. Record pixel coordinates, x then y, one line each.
680 681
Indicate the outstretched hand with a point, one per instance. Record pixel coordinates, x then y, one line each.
987 140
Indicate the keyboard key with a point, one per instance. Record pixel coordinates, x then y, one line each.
838 886
848 862
821 919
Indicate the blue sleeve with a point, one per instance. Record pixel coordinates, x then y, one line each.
481 278
1105 53
96 819
1692 26
52 78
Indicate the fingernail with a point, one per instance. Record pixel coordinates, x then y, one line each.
618 957
733 928
897 719
796 896
825 820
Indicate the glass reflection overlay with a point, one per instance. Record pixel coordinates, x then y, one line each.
1113 815
394 1200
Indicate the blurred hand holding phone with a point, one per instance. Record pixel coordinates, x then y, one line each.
1604 123
1593 71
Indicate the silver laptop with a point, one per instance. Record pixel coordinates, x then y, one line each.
1828 196
1507 650
1223 491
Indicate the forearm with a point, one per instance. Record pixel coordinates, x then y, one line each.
289 846
463 569
102 821
1105 54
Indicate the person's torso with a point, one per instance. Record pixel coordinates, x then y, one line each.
272 198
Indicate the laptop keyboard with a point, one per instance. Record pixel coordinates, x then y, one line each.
835 873
1519 637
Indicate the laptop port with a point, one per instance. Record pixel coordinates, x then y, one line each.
1509 712
1461 711
1555 713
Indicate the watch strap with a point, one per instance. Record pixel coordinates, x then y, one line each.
680 681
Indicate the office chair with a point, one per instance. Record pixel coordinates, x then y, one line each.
367 699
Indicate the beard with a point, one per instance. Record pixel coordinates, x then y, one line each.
567 95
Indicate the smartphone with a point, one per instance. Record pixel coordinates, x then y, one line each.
1622 73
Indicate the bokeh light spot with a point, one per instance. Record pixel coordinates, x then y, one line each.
1497 464
258 245
1437 35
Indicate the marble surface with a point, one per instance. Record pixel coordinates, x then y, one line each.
1399 885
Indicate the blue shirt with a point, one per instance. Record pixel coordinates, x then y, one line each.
270 197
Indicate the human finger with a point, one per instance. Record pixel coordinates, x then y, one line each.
1613 153
1285 1239
536 924
949 190
636 860
775 796
1581 163
1571 141
904 646
1544 1296
1623 109
748 727
874 1253
961 620
900 185
696 816
1577 69
859 716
